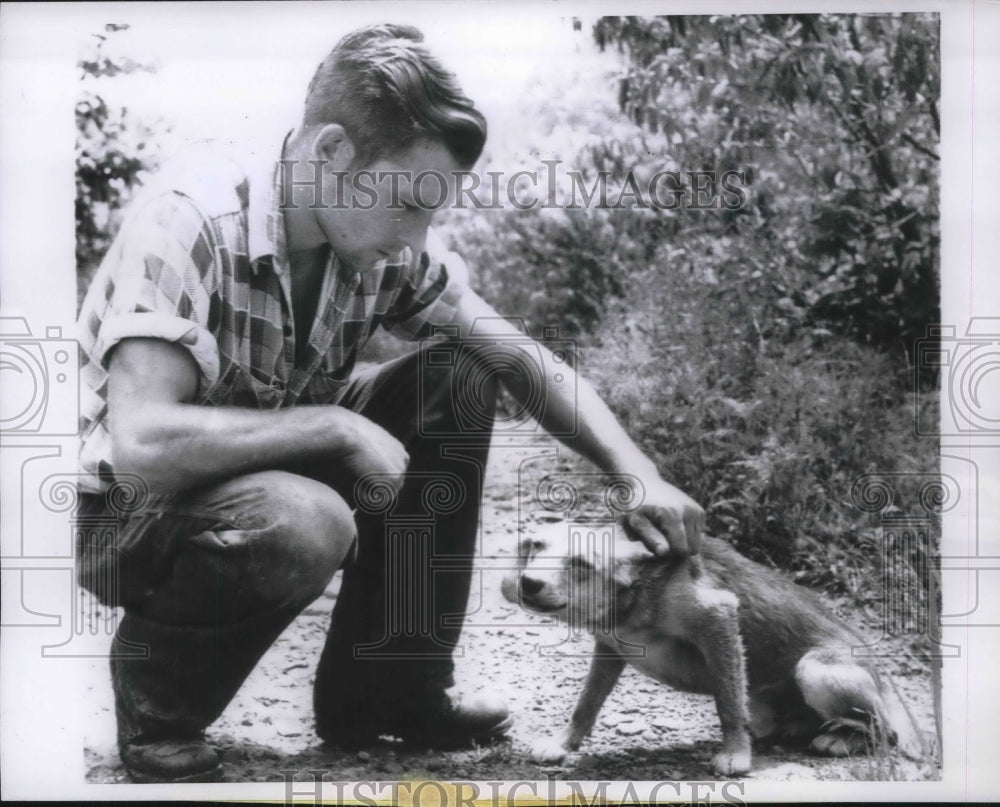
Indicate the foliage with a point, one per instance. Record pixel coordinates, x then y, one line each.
578 258
834 119
113 151
770 436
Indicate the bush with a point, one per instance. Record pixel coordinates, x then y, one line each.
834 121
113 153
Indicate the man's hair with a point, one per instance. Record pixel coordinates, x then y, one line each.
387 90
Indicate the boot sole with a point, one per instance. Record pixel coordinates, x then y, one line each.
442 742
454 742
140 778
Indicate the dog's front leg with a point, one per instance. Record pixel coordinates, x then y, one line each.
717 635
605 669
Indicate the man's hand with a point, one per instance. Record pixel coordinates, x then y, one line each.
370 449
669 522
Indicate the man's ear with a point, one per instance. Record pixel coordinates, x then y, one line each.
332 145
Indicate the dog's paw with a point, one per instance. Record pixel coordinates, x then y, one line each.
841 742
731 763
549 749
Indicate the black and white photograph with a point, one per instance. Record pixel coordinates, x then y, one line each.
438 403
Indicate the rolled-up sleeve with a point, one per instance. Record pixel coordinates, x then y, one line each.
164 284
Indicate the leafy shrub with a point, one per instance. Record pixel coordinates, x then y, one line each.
113 153
769 436
834 120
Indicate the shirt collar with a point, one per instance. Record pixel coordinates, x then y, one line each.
265 222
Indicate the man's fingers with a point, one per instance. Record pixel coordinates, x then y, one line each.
694 526
639 528
674 528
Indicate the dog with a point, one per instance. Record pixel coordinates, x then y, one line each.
778 662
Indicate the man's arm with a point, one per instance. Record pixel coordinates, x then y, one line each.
173 444
668 520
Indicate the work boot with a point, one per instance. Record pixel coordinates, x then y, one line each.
447 723
433 721
171 761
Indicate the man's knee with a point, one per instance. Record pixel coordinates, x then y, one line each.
306 531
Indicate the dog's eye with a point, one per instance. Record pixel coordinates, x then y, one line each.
579 566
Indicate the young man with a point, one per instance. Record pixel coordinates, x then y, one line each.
220 337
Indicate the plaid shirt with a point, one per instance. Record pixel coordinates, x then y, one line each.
201 261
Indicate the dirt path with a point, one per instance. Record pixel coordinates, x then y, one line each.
645 732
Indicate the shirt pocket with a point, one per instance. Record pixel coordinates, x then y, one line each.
237 387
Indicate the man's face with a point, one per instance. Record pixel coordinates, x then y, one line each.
377 210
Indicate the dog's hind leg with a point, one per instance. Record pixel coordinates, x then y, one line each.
605 669
848 698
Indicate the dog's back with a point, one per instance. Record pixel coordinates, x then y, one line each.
779 620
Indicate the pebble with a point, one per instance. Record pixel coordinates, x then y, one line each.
787 772
364 756
632 727
434 764
391 766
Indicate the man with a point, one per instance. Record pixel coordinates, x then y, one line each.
220 337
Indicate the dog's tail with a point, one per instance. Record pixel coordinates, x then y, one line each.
909 739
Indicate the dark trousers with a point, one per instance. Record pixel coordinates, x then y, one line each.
208 580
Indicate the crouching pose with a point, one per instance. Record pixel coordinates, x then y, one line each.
778 663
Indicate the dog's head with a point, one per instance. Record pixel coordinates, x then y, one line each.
576 575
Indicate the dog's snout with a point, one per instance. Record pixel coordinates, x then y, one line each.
531 585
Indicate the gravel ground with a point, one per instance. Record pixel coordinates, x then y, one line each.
645 731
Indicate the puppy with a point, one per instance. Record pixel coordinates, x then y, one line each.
777 661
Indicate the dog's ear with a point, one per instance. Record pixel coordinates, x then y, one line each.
625 562
530 547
